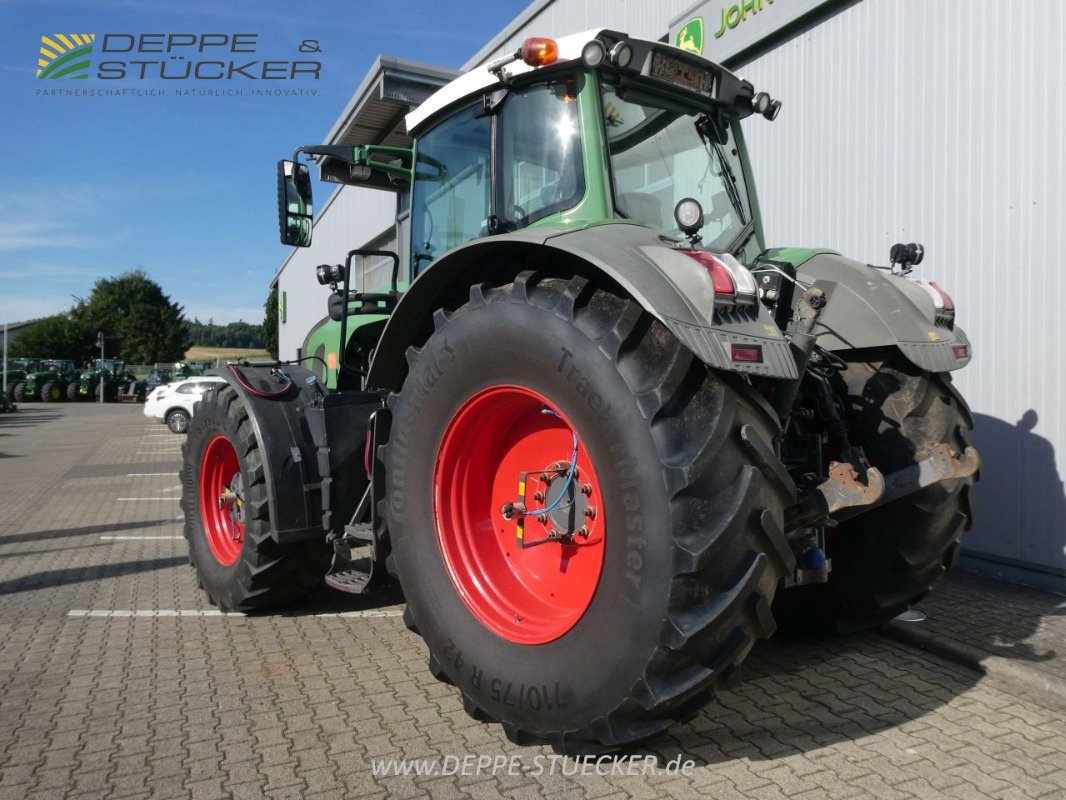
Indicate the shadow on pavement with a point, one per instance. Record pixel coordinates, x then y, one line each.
24 419
796 697
50 579
59 533
330 601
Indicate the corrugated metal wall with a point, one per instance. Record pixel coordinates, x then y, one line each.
943 123
353 216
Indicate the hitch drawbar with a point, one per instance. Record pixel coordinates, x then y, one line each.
849 491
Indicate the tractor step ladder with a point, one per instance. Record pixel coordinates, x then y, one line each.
349 573
354 579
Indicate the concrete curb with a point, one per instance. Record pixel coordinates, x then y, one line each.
1007 669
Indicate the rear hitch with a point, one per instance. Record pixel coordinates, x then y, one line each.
854 489
939 464
849 485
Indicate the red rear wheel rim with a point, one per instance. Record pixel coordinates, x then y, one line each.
220 472
529 595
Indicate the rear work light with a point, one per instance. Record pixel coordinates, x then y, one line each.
539 51
733 283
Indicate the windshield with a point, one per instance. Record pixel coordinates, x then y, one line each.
659 156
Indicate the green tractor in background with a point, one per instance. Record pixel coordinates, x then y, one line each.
105 376
15 375
48 382
603 435
157 377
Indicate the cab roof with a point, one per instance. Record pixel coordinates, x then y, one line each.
481 78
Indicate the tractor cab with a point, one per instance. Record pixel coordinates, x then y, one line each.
562 135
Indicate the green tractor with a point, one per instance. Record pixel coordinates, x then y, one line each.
603 436
106 376
157 377
16 375
47 381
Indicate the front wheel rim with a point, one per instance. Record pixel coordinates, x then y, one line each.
222 500
524 594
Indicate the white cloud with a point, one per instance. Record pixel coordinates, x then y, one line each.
222 314
20 309
59 216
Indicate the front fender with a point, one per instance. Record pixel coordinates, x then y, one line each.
671 287
872 308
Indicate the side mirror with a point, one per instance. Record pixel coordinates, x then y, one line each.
295 210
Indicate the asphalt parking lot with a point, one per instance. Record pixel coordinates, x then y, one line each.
119 680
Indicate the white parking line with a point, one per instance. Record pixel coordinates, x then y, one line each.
147 474
130 499
153 613
136 538
157 452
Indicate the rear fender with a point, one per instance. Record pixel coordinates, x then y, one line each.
312 445
870 307
670 286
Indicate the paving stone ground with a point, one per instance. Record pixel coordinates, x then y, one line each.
119 680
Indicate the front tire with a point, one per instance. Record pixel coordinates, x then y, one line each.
51 392
72 391
690 547
238 564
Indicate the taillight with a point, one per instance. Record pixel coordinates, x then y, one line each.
747 354
942 301
960 351
732 281
945 298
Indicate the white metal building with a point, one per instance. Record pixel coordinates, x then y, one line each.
940 123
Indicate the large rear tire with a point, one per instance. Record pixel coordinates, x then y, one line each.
890 556
593 642
72 391
238 564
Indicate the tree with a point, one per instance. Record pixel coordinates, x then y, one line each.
58 336
233 334
142 325
270 323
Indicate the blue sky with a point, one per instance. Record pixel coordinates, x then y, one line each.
182 187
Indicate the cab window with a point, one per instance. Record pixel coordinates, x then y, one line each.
540 165
450 202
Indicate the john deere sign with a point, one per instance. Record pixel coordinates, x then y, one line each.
720 29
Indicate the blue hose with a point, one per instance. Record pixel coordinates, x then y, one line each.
569 474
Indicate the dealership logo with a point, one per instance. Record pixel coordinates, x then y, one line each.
690 37
65 55
174 57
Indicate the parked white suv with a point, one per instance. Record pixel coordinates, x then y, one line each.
172 403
